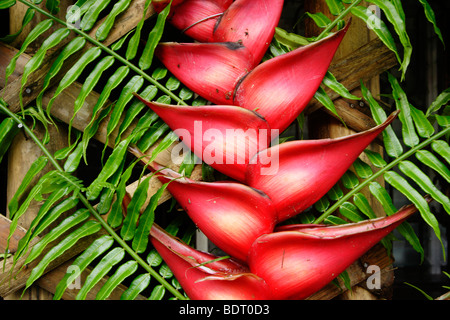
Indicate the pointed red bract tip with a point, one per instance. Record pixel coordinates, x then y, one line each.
250 22
296 174
217 280
297 263
280 88
224 137
231 215
211 70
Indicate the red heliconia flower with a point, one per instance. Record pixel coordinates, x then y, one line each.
250 22
280 88
231 215
297 261
217 280
223 136
212 70
196 18
296 174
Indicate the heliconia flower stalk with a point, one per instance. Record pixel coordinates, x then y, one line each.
196 18
250 22
302 171
223 136
297 261
280 88
217 280
232 215
212 70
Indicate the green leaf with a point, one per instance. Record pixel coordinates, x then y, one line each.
154 36
45 217
409 134
152 135
363 205
335 193
73 160
331 82
398 182
335 6
383 197
424 182
290 40
442 99
39 29
423 126
135 39
52 6
34 170
89 228
74 72
73 46
362 169
141 237
429 159
429 13
322 204
153 258
104 29
326 101
378 26
112 164
29 15
320 19
8 130
350 211
133 210
139 284
391 143
95 249
395 15
100 270
157 293
91 16
442 148
408 233
375 158
124 271
69 222
349 180
5 4
126 95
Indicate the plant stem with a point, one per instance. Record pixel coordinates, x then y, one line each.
392 164
91 209
330 27
109 51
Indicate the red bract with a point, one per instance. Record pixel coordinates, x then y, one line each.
224 137
280 88
297 261
231 215
212 70
217 280
196 18
299 173
250 22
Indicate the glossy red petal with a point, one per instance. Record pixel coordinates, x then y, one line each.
224 137
296 174
250 22
297 263
197 18
231 215
212 70
212 281
280 88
